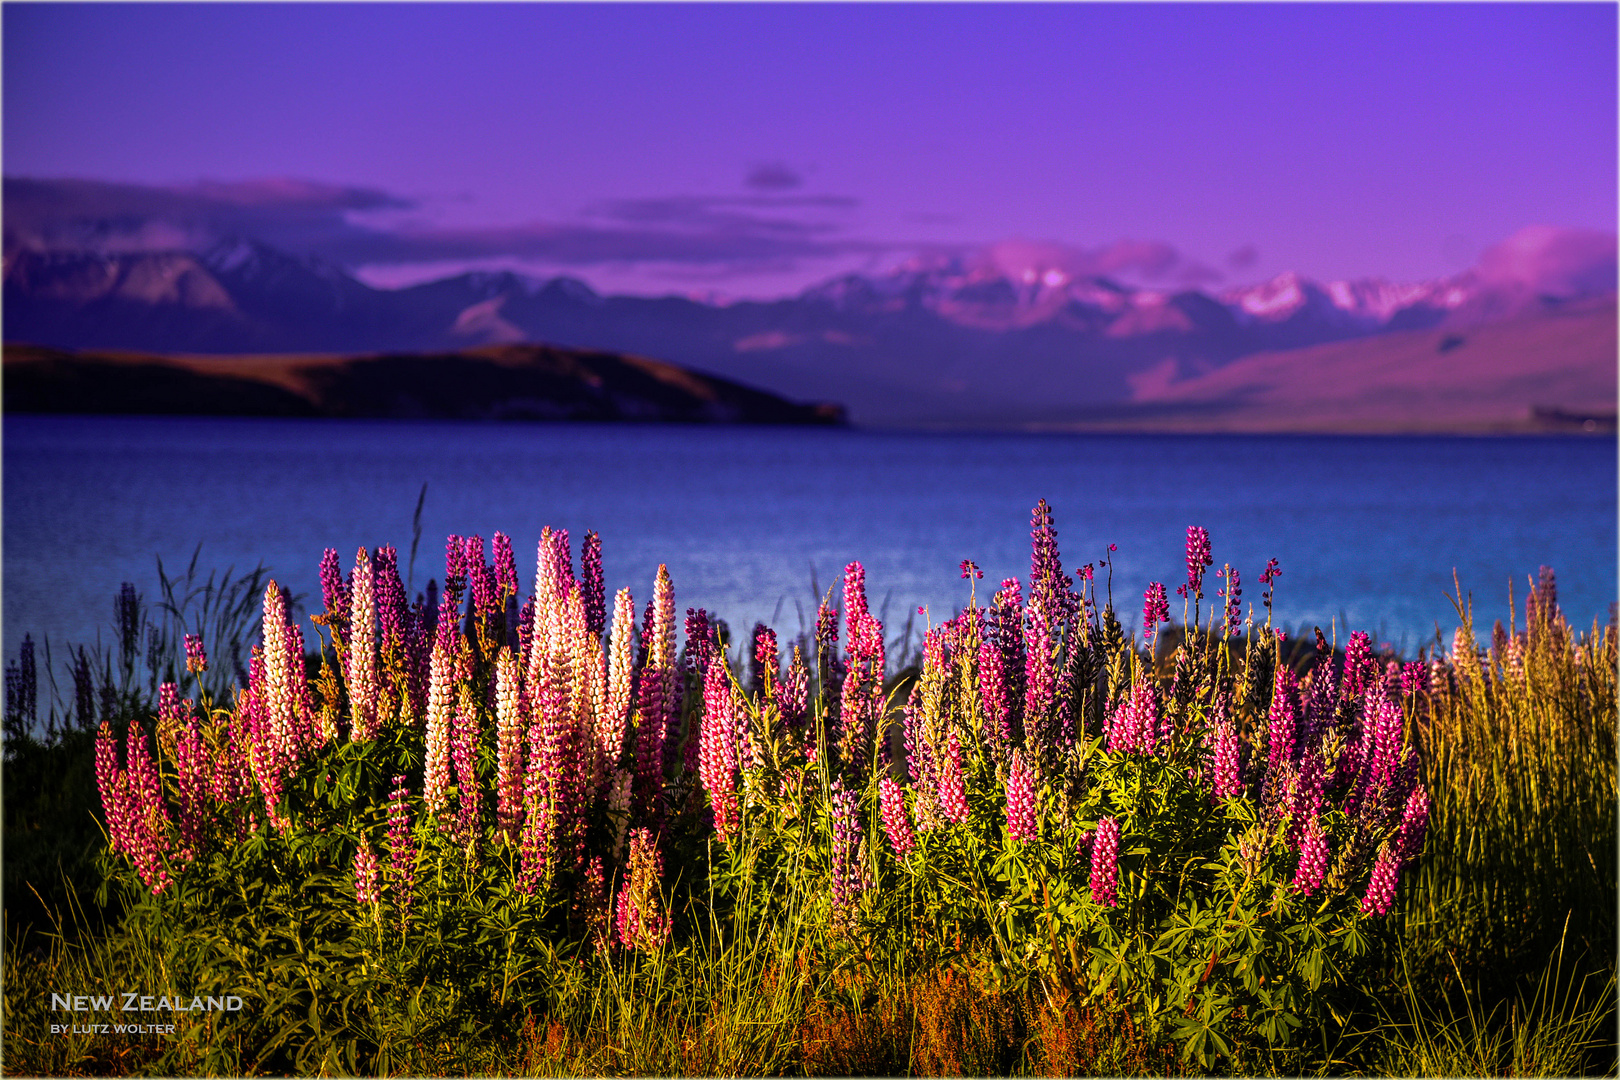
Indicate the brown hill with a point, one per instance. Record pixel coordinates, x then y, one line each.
1548 371
498 382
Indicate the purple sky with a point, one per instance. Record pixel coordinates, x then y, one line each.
752 149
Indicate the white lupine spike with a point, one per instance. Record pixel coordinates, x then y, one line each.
441 691
361 661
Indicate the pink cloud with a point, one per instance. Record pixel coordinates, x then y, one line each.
1552 261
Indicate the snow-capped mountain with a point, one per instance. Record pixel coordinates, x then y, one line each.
1001 336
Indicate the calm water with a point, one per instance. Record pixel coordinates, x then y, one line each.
1368 530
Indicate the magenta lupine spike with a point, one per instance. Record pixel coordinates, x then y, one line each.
849 874
366 885
401 850
1386 877
1040 678
265 759
590 572
1105 864
1155 610
1234 601
1313 858
1414 679
993 698
764 664
1414 825
455 583
112 783
335 595
1050 593
657 687
1007 631
896 822
1198 558
536 849
441 703
1359 666
392 637
463 746
280 699
1378 751
196 655
506 579
192 768
793 692
1282 721
614 724
149 834
641 921
1134 727
1226 775
952 789
593 903
486 596
717 755
509 730
1022 823
361 660
552 750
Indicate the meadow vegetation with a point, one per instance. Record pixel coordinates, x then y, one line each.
542 833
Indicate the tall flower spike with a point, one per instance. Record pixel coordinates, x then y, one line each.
595 594
849 874
464 744
717 757
1022 824
1386 877
1313 858
641 921
366 889
196 655
1225 765
506 579
401 850
656 691
614 724
1198 558
1155 610
896 824
361 660
1234 601
335 596
441 701
952 790
509 731
1105 864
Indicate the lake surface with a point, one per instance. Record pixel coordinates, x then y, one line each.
1368 530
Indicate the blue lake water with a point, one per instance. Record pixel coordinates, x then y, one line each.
1368 530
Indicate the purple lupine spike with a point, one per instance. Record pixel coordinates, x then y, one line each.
335 595
112 783
1105 864
127 614
717 756
1198 558
994 699
1134 727
401 850
366 888
27 682
1234 601
896 823
1359 665
192 769
952 789
1226 769
1282 721
595 593
1007 631
536 848
509 731
1313 858
1414 825
463 745
793 692
1022 823
150 818
196 655
506 579
849 875
1155 610
486 597
764 663
1049 591
1386 877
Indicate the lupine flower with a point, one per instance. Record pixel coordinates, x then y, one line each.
1049 590
441 697
1134 727
1022 824
849 875
196 655
148 836
361 661
112 783
1358 664
952 791
593 900
335 595
618 804
536 848
614 722
717 756
1226 773
1198 558
1386 876
1414 679
595 594
1155 609
1234 601
1414 824
192 769
463 744
970 569
764 662
1313 858
509 731
1105 864
896 823
1282 721
401 850
506 579
1268 578
1006 630
993 698
793 692
366 889
657 688
127 614
641 921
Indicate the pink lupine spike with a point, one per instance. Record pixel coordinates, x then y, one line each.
1386 877
850 877
590 566
361 660
1105 864
952 790
335 597
537 847
509 732
196 655
150 823
613 725
656 690
463 747
506 579
401 851
1225 764
896 824
1155 610
641 921
1198 558
717 755
1022 823
367 889
1313 858
441 702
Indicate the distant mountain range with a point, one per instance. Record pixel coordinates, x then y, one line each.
938 342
